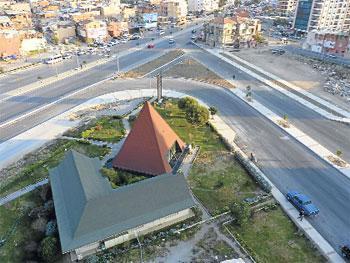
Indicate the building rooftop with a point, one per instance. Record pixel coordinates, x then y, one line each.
89 210
146 148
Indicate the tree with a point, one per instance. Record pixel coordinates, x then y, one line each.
213 110
198 115
187 103
259 38
49 248
339 153
241 212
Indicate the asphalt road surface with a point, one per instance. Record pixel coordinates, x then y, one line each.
332 135
21 78
287 163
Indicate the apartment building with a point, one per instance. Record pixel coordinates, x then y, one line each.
90 31
9 43
330 15
286 7
203 5
231 31
174 9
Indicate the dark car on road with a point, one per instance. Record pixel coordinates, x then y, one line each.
345 251
302 203
150 46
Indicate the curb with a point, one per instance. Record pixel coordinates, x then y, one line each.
304 102
61 124
72 72
298 135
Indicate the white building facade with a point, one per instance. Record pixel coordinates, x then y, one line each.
330 15
202 5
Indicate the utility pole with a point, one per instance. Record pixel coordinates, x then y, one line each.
159 86
118 66
78 63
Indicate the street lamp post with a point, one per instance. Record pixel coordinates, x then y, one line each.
77 58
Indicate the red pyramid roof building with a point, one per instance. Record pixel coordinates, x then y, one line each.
150 145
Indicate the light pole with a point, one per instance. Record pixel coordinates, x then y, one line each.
118 66
78 63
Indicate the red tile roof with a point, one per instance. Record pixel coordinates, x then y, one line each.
147 145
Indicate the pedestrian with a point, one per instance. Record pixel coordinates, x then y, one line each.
301 214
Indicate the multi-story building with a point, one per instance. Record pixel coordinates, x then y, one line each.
62 31
115 29
287 7
90 31
112 9
202 5
9 43
173 9
20 19
231 31
331 15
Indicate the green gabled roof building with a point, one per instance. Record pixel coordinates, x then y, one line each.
92 216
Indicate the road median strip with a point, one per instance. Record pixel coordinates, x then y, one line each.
50 80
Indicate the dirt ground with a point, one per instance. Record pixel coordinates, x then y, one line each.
293 69
191 69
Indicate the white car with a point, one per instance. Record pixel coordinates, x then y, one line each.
123 40
161 32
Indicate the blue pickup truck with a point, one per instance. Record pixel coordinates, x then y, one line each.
302 202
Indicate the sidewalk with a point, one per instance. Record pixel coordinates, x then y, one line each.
22 191
317 100
297 134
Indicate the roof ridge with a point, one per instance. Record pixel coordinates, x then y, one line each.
155 132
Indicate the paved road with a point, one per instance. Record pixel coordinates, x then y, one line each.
19 105
333 135
286 162
21 78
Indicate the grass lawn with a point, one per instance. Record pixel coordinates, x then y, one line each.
49 158
119 178
106 129
274 238
216 178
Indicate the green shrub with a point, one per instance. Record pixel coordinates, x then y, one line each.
187 103
241 212
49 249
197 115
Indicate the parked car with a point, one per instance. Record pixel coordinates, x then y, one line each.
193 37
194 31
171 41
135 37
161 32
67 56
124 40
345 251
302 203
150 46
278 51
